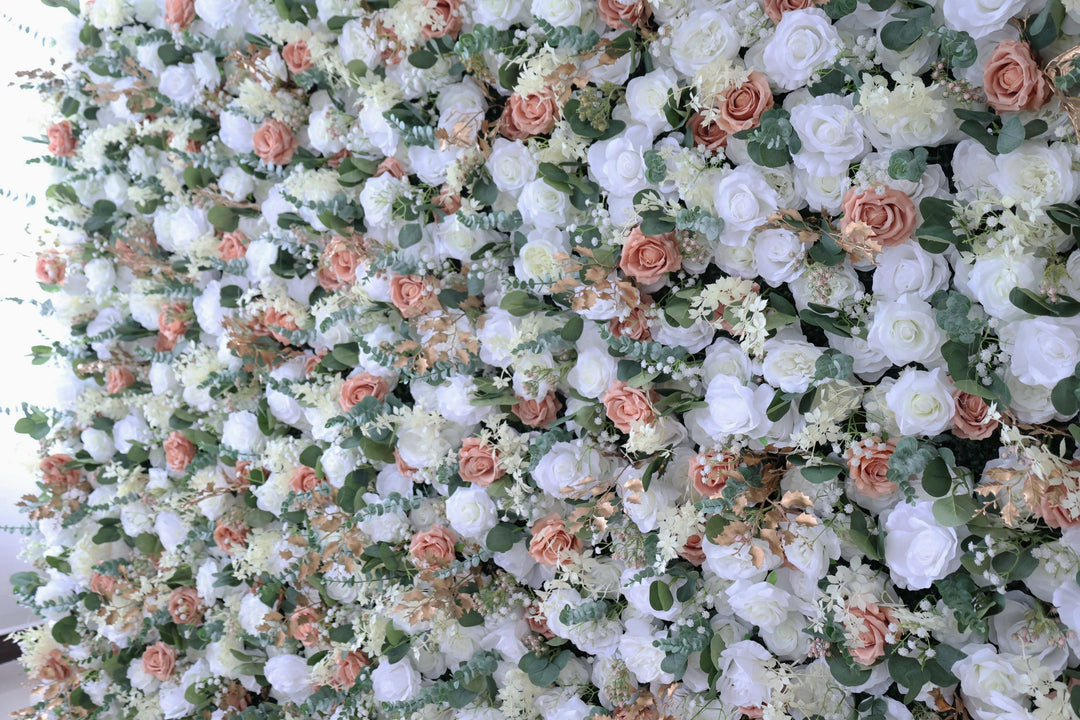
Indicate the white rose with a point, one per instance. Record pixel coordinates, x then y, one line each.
1031 403
565 465
646 97
1067 601
252 615
471 512
391 682
736 409
179 83
220 14
1043 351
290 677
543 206
692 338
511 165
790 364
831 135
454 397
919 549
593 373
100 276
241 432
702 37
778 255
760 603
991 683
979 17
536 262
638 652
804 42
906 330
1011 630
99 444
496 337
825 192
131 429
907 268
744 199
559 12
1034 176
745 676
500 14
170 529
726 357
921 401
907 115
422 445
618 164
388 527
734 561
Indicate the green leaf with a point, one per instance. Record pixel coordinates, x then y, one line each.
908 672
936 480
573 329
908 164
423 59
954 510
899 35
1041 305
837 9
310 456
410 235
503 537
1045 28
818 474
223 218
1065 396
833 364
660 598
66 631
847 673
655 167
1011 136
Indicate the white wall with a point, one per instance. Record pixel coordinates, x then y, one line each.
20 325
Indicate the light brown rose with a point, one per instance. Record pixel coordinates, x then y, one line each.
551 541
1052 512
173 320
775 9
433 547
339 262
179 451
743 106
478 463
868 462
888 211
391 166
648 258
158 660
303 480
304 625
51 268
973 421
54 667
179 13
104 585
692 551
447 200
348 669
361 386
413 295
636 324
707 134
529 115
625 405
233 245
185 606
274 142
230 537
617 15
446 19
709 473
118 378
871 639
297 57
1012 79
537 622
275 320
55 472
538 413
61 139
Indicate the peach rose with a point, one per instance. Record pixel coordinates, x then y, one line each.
233 245
624 405
311 362
185 606
236 697
230 537
445 19
348 669
709 473
551 540
179 451
537 622
775 9
179 13
870 644
707 134
273 318
478 463
51 268
692 551
274 142
303 480
61 139
1012 79
158 660
55 472
648 258
402 467
868 461
297 57
743 106
304 625
241 479
888 211
339 261
392 166
54 667
413 295
173 322
118 378
529 115
104 585
972 417
636 324
447 200
361 386
538 413
1052 512
617 15
433 547
643 709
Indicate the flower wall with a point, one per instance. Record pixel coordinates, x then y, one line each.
560 359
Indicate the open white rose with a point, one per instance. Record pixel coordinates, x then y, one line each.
760 603
991 682
701 37
805 41
1035 176
391 682
511 165
646 97
744 199
746 677
906 330
790 363
907 268
471 512
831 134
779 255
736 409
566 464
979 17
921 401
919 549
618 164
1043 351
290 677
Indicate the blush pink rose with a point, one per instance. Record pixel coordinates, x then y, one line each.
54 668
538 413
185 606
648 258
361 386
230 537
304 625
692 552
117 379
1053 513
526 116
172 324
888 211
297 57
709 473
275 320
973 421
339 263
233 245
179 13
617 15
390 166
743 106
707 134
61 139
179 451
868 463
274 142
104 585
348 669
871 639
413 295
445 19
775 10
625 405
478 463
551 541
55 472
433 547
159 660
303 480
51 268
1012 79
